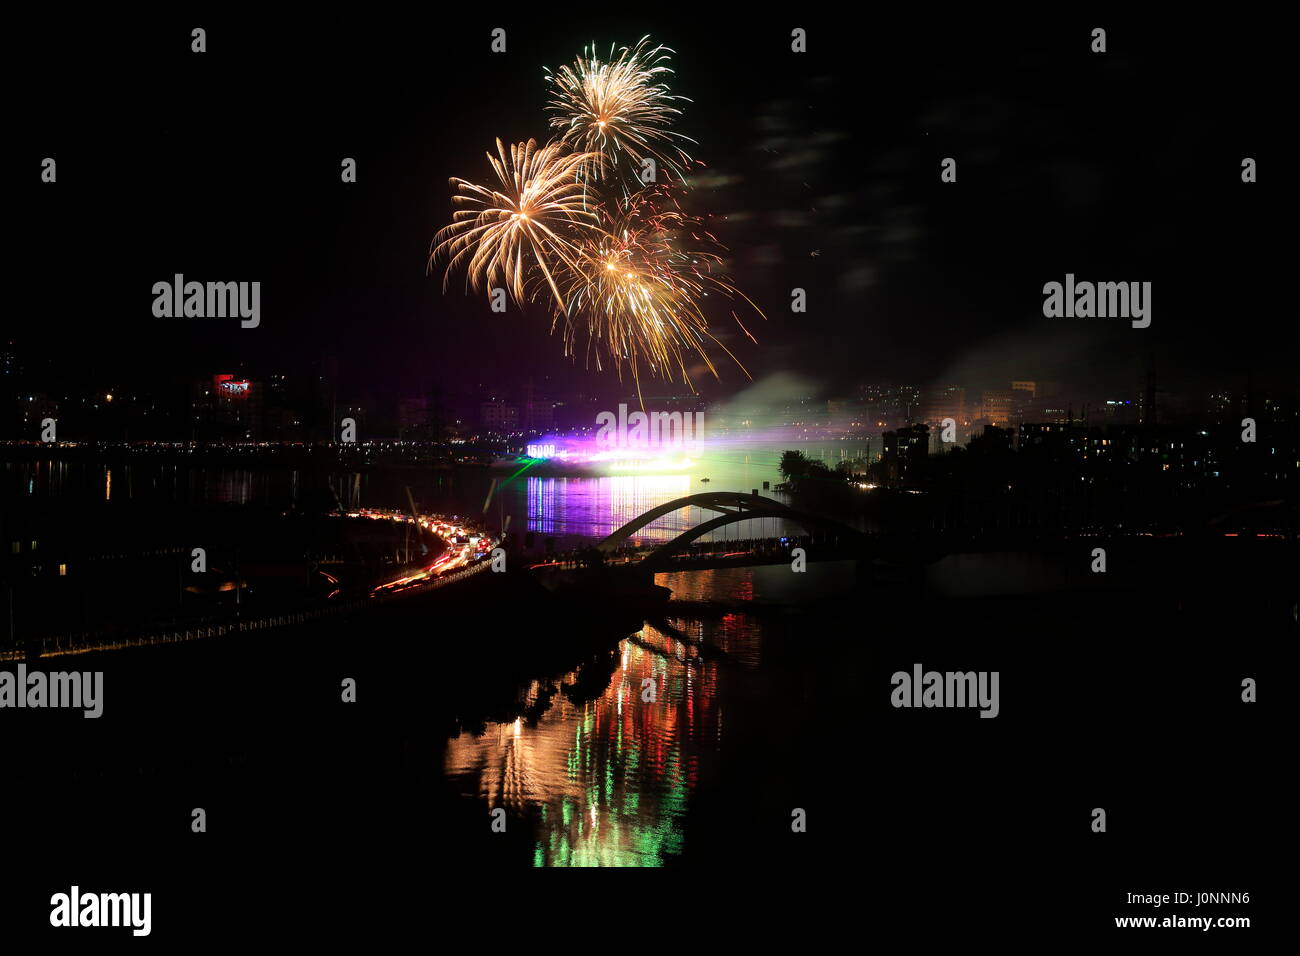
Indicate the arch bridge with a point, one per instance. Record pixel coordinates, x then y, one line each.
730 507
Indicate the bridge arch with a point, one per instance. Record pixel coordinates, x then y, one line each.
720 501
809 522
732 507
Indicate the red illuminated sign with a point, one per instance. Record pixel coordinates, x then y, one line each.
227 386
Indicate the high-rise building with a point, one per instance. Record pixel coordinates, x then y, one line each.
499 416
902 449
226 407
890 406
539 415
413 418
999 405
946 401
11 364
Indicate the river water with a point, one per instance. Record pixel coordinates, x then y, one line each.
771 704
573 511
613 775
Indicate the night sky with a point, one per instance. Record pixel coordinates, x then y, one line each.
823 173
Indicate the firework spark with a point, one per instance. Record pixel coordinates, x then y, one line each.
638 288
618 260
619 107
521 232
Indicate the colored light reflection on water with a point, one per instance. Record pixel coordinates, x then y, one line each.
609 781
592 508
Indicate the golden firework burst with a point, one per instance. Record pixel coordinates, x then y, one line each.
518 233
620 109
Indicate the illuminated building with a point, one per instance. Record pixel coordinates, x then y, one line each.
499 416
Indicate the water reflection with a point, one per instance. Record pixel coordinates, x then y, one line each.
592 508
151 482
577 511
605 776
